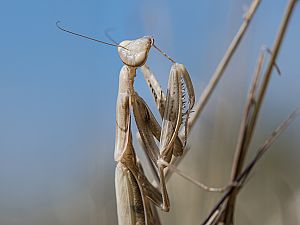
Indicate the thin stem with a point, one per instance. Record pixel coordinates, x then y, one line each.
216 76
223 64
218 73
240 150
245 173
247 136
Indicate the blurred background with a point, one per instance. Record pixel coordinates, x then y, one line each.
57 108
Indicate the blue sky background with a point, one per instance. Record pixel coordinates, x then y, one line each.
58 92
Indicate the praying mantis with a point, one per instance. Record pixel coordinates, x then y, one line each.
136 195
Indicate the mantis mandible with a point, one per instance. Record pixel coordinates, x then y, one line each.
136 196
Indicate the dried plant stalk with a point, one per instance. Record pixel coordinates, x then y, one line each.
248 128
245 173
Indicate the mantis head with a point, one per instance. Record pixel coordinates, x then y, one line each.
134 53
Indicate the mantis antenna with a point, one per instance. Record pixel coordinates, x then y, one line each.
163 53
107 31
84 36
103 42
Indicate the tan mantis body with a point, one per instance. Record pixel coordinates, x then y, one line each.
135 194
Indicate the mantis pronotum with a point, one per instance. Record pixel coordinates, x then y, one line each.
136 196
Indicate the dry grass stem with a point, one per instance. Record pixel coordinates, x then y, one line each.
216 76
249 129
223 64
245 173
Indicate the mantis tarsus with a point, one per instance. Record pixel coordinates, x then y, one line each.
136 196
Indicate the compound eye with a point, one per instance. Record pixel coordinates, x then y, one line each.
152 41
